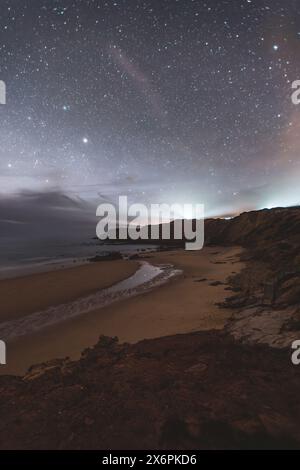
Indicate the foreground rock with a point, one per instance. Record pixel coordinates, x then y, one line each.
190 391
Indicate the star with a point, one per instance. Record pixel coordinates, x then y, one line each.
165 93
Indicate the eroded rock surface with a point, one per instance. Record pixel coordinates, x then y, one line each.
201 390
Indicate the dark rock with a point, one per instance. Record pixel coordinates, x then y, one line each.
114 255
216 283
193 391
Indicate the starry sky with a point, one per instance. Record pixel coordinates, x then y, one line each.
171 101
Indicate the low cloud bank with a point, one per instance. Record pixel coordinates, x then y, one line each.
33 215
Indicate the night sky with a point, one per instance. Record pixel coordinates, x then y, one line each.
166 101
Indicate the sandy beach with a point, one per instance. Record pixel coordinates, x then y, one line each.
184 304
28 294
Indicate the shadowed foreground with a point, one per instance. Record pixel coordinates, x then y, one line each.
200 390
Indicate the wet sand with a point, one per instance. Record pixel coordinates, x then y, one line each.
183 305
28 294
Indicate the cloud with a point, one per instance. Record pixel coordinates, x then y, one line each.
35 215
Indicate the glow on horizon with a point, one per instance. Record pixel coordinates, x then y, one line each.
287 201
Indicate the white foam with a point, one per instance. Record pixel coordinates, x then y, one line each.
144 279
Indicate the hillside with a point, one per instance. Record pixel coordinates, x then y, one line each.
273 235
194 391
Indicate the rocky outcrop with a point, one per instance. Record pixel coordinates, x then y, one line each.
267 302
193 391
273 235
112 256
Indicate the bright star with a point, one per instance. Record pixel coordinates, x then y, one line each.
85 140
275 47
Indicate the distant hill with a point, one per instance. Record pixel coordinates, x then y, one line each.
272 234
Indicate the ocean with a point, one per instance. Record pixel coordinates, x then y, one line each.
20 257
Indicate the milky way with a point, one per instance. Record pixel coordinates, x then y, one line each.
166 101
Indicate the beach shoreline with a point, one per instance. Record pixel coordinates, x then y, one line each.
27 294
184 304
